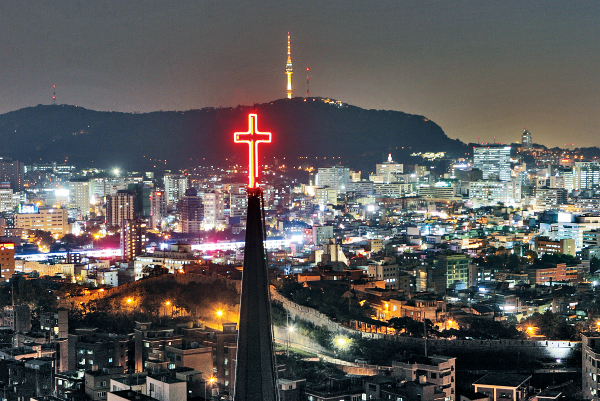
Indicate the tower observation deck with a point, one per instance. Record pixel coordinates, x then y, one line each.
289 70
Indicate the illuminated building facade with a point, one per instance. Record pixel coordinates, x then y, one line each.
526 142
79 196
214 209
457 270
586 175
289 70
175 187
158 207
337 177
7 260
10 171
133 238
238 200
7 203
53 220
388 170
191 212
493 161
120 207
546 198
562 246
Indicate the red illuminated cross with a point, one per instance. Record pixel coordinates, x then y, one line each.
252 138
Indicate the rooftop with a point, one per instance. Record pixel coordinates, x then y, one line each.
503 379
133 396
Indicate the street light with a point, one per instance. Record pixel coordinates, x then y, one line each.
211 380
289 331
343 343
220 315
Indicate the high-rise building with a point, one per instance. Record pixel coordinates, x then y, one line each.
158 207
175 187
526 142
100 187
586 175
10 171
214 208
142 199
547 198
388 170
7 203
238 200
337 177
79 196
133 238
120 207
191 212
493 161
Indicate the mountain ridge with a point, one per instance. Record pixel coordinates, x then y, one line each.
313 128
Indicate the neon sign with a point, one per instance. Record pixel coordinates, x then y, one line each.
253 137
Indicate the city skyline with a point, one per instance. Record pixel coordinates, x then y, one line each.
478 69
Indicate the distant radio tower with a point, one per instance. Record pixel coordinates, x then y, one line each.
307 84
54 95
289 70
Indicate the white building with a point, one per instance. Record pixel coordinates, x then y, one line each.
337 177
586 175
214 209
493 161
175 187
79 196
389 170
7 203
489 193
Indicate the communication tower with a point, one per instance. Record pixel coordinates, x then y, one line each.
289 70
307 83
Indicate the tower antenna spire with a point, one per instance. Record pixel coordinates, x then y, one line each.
289 70
307 83
54 95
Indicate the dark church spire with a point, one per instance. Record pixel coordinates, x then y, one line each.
255 373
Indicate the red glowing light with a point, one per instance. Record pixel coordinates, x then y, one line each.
253 137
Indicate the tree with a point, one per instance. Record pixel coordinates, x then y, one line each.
43 238
531 255
594 264
154 270
513 262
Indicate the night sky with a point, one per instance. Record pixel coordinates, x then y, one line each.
477 68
